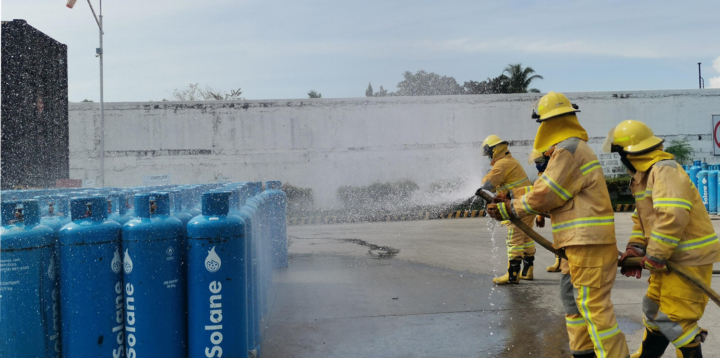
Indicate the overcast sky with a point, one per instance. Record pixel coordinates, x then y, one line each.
282 49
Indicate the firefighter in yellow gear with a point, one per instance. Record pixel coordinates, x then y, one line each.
507 177
670 224
541 161
573 190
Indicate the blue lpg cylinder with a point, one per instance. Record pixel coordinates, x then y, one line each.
8 213
260 238
8 195
58 212
240 194
190 200
128 203
234 198
91 286
277 223
247 213
155 301
194 202
717 191
179 208
29 313
44 201
118 208
262 233
217 317
703 185
179 211
694 169
713 189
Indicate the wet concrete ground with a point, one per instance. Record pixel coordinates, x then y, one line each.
424 288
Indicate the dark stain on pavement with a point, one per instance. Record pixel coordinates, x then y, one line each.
379 252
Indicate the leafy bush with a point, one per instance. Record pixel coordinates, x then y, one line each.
682 150
446 186
619 187
299 199
377 195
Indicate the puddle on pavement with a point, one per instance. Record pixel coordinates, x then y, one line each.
405 307
536 332
627 325
529 330
504 322
378 252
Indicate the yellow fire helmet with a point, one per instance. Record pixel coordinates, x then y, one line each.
535 156
633 136
490 142
552 105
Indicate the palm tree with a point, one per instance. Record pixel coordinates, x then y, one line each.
520 78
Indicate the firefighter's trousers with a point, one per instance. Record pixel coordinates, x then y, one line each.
673 306
518 243
587 278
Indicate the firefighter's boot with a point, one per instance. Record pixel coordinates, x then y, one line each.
513 274
652 346
527 271
586 355
691 350
556 266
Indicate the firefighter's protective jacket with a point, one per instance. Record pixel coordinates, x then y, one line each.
573 190
506 175
671 222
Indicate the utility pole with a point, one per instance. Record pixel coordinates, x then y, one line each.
701 81
99 53
102 103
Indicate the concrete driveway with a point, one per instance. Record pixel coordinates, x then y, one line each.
424 289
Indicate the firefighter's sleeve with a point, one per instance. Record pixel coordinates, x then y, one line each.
496 177
560 182
672 203
637 236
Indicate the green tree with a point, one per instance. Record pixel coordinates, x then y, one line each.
382 93
313 94
87 100
682 150
427 84
520 78
369 91
498 84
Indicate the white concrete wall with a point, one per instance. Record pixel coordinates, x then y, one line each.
326 143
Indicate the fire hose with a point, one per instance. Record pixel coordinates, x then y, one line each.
628 262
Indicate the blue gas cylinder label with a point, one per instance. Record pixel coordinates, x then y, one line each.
212 261
212 264
11 265
152 275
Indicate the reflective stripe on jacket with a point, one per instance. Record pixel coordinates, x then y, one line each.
573 190
671 221
507 174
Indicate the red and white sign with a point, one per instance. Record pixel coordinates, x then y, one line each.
716 133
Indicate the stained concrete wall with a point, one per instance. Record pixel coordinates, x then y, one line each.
326 143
